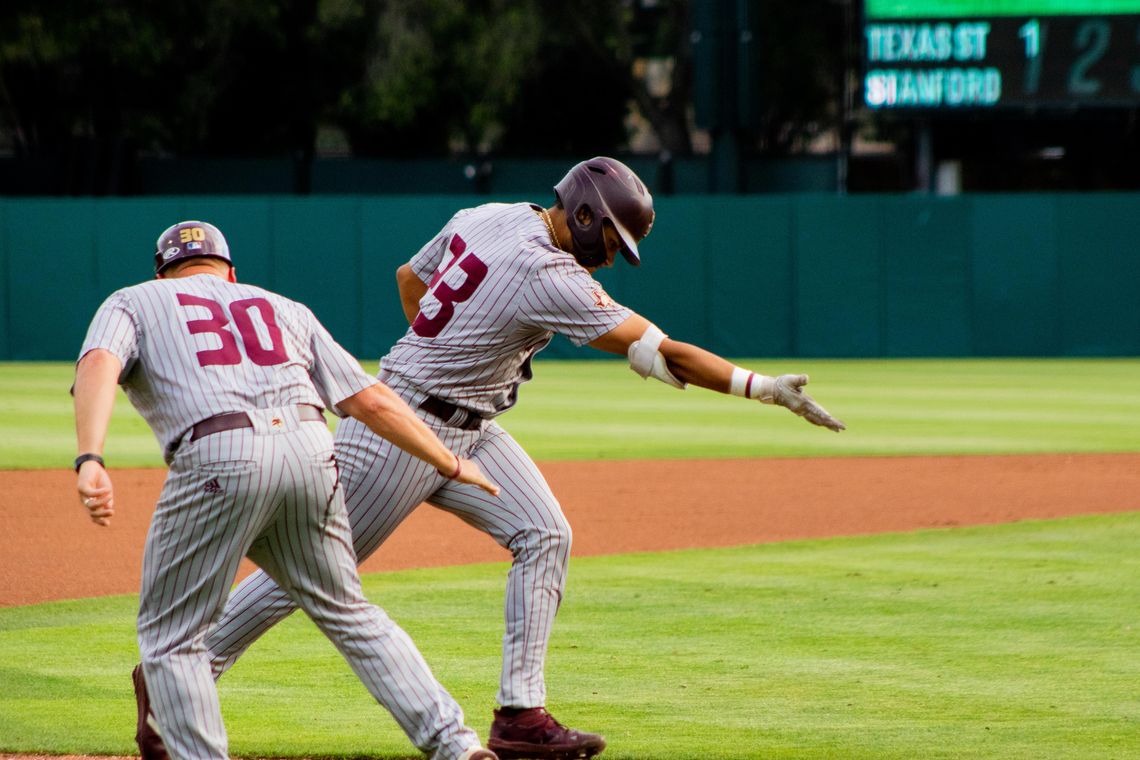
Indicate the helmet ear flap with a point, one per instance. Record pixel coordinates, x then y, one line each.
588 237
584 215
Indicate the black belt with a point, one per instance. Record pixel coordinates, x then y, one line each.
447 411
235 420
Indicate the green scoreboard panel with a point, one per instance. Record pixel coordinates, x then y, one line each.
972 54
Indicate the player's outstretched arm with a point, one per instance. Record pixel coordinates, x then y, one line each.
389 417
651 353
96 376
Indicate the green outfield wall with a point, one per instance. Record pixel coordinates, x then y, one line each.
792 275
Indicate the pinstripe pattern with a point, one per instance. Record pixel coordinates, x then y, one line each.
477 360
268 492
383 485
532 290
146 327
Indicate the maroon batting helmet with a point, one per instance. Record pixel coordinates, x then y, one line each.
187 240
611 192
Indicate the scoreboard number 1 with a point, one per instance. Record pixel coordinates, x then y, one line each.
1034 35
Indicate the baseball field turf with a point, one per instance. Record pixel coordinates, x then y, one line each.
1008 641
600 410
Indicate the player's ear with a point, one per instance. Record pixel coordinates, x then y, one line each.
231 276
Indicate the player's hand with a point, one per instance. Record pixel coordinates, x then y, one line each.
470 473
787 391
96 492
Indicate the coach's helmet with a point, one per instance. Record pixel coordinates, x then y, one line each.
187 240
610 192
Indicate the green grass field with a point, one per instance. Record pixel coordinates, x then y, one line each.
601 410
1013 641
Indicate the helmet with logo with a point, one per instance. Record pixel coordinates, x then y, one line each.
187 240
605 190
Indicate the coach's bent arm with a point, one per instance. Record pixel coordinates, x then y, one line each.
388 416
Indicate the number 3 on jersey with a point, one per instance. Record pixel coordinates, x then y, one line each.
447 296
217 324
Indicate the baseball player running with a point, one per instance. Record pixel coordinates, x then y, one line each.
232 380
482 297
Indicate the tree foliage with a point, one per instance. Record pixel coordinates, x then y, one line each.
396 77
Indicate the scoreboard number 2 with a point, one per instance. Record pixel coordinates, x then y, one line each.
1092 37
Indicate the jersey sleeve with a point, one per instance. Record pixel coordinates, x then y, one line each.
427 260
115 328
335 373
562 297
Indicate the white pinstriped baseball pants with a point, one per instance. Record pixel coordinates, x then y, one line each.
383 485
269 493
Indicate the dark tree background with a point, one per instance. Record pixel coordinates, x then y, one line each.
89 86
398 77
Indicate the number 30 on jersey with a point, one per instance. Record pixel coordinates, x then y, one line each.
229 353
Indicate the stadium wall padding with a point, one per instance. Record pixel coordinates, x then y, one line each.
767 275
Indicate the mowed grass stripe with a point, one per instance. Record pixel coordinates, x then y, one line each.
600 410
1010 641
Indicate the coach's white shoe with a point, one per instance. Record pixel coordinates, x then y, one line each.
478 753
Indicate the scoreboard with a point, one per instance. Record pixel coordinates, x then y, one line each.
979 54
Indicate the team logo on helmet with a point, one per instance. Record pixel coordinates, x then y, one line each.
170 253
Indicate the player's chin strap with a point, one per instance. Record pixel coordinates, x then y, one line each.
646 360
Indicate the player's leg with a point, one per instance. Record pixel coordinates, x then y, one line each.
526 519
382 486
308 550
196 540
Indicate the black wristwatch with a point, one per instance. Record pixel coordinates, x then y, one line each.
79 460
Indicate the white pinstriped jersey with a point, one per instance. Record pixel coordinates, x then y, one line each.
193 347
498 290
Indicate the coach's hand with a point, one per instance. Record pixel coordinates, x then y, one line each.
96 492
470 473
787 391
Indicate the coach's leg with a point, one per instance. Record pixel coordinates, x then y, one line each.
382 486
308 550
526 519
195 543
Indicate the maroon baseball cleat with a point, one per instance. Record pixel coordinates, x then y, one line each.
534 733
146 734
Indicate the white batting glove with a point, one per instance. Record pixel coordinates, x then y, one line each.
787 391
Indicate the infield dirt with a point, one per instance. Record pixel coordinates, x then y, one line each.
52 551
